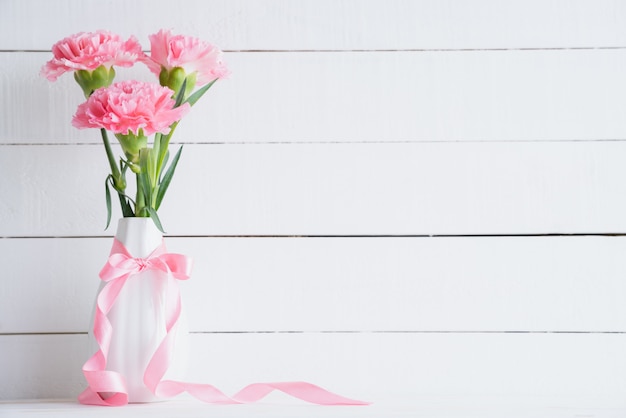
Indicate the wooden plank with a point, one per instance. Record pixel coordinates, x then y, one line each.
556 368
540 284
359 97
326 24
334 189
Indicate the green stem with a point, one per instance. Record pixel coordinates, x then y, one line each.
140 201
163 146
118 179
156 147
114 170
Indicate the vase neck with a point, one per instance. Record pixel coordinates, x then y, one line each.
139 235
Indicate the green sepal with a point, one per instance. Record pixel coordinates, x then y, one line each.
173 79
131 145
91 80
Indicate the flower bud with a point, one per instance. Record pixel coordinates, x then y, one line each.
102 76
172 79
90 81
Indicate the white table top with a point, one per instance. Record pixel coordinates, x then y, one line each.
277 406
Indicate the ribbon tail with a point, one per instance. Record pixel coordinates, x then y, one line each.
160 361
302 390
203 392
255 392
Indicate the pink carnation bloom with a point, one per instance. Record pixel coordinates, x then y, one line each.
192 54
88 51
130 106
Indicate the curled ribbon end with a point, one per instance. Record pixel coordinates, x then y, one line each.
89 397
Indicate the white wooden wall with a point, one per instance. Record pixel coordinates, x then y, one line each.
387 197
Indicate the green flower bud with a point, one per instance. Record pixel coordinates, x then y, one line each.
164 76
173 78
90 81
102 76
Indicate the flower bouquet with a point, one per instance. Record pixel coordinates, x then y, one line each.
138 322
132 110
136 318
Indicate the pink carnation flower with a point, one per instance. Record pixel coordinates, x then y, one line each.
192 54
88 51
130 106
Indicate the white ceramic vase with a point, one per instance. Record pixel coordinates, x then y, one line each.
138 315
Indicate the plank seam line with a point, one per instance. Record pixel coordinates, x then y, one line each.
566 332
545 235
362 50
338 142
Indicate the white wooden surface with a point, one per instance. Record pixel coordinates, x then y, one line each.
378 96
539 369
336 189
448 407
564 284
328 25
411 202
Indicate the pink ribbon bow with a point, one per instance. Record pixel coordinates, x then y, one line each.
120 266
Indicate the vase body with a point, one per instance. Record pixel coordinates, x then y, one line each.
138 315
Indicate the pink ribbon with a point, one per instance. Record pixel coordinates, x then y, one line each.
120 266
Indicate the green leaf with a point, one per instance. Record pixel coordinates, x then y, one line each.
181 94
164 142
165 160
198 94
155 218
127 211
107 195
167 178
